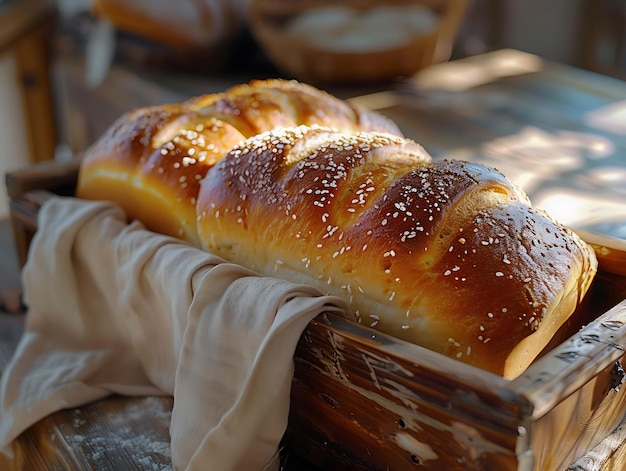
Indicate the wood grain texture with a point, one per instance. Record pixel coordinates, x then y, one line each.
110 435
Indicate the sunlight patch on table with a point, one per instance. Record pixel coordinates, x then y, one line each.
576 177
585 211
611 118
469 73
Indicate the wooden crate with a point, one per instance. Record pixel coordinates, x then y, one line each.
362 400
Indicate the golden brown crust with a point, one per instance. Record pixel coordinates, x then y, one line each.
155 157
177 24
448 255
262 105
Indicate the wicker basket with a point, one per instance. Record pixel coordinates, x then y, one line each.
301 56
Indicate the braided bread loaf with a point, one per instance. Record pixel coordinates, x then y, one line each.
448 255
151 160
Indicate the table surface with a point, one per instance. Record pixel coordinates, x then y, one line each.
558 132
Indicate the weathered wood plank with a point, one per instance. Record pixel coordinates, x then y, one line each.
58 177
109 435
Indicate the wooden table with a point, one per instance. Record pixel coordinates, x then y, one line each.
560 132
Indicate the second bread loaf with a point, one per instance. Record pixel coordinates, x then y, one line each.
151 160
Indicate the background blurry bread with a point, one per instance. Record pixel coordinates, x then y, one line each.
175 23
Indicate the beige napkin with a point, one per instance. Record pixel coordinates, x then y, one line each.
114 308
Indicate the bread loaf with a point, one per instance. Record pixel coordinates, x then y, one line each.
448 255
151 160
183 23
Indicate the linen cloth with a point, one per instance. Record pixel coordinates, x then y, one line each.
116 309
